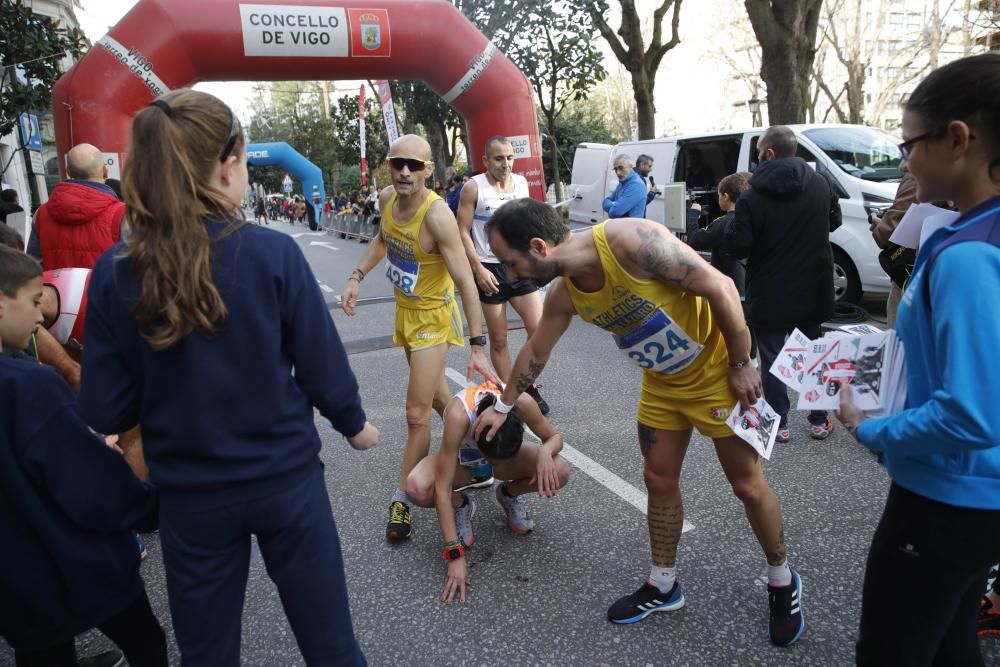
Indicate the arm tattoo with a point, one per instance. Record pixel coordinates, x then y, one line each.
777 555
662 259
526 380
665 525
647 438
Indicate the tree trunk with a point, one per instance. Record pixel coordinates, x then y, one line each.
550 121
787 36
642 88
438 139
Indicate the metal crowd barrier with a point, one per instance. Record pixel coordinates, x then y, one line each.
349 226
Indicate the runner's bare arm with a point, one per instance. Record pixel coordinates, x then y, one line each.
533 418
375 254
486 281
653 252
455 424
556 316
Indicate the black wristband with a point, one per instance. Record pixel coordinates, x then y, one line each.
478 340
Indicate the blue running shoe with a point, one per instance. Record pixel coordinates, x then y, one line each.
637 606
786 624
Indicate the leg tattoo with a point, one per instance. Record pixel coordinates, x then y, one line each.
647 438
665 525
777 555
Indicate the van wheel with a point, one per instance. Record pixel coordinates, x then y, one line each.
846 283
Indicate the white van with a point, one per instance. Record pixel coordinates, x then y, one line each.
862 161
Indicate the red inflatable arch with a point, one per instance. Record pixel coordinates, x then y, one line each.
166 44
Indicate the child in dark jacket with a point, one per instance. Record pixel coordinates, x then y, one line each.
68 505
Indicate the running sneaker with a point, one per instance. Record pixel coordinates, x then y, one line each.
112 658
784 435
542 405
399 521
989 619
637 606
822 431
141 545
517 515
786 624
463 520
481 477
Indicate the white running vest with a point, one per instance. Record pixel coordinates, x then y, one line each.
488 201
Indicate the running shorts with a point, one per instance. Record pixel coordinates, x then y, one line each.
707 411
417 329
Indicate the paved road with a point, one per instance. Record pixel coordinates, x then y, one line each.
541 599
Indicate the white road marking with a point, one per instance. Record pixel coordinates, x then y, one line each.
295 236
587 465
325 244
326 288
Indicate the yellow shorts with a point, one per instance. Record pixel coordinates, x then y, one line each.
417 329
668 410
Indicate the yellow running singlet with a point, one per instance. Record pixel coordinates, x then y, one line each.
426 311
667 332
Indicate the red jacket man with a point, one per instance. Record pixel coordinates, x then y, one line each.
82 217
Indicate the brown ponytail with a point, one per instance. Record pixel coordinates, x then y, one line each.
166 186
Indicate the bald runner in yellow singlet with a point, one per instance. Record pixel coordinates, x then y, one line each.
680 321
425 261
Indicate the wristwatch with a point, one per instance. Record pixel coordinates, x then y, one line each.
454 552
740 364
478 340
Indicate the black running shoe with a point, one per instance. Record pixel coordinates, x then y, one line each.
399 521
786 624
542 405
637 606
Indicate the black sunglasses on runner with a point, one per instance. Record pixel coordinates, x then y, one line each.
234 133
413 165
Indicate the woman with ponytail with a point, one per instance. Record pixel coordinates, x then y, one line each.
213 336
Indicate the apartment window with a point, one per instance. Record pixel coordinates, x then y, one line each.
896 18
891 124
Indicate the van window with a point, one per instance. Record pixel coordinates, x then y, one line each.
862 152
808 156
702 164
802 152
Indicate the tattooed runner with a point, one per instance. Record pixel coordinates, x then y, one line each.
680 321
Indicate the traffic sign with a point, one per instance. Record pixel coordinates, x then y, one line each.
31 133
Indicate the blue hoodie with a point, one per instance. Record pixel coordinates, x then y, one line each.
629 198
946 444
226 418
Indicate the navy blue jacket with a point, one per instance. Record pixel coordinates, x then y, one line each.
67 504
223 418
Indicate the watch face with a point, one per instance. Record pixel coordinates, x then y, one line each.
454 554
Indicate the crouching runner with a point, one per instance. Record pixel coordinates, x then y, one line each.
526 466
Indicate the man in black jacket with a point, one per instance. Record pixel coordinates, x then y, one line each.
782 226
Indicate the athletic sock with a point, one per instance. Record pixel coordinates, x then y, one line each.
779 575
401 496
663 578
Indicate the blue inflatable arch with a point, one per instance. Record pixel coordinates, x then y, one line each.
280 154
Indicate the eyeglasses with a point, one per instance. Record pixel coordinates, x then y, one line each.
906 146
412 164
234 133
